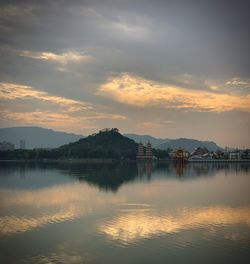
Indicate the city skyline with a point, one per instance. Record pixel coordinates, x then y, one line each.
169 69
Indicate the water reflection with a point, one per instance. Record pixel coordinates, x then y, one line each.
128 228
85 212
48 206
61 255
110 177
13 224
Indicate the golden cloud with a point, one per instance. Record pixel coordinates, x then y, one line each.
134 90
31 106
131 227
63 58
11 91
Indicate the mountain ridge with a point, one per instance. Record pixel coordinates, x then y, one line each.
38 137
187 143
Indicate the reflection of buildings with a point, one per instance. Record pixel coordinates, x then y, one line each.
179 168
144 153
144 168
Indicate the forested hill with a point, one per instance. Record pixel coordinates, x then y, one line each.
107 143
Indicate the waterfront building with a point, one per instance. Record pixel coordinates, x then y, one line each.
6 146
149 154
234 155
180 155
171 154
140 153
200 152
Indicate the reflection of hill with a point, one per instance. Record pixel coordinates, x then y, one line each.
110 177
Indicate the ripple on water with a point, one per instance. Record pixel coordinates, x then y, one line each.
131 226
18 224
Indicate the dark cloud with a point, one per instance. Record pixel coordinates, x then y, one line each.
198 36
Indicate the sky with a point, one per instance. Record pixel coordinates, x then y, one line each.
166 68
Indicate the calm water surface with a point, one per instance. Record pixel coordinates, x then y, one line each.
137 213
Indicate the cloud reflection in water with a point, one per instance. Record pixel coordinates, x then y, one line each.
47 206
131 227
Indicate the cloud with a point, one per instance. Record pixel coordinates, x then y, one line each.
63 121
27 105
77 44
133 90
11 91
233 85
63 58
12 10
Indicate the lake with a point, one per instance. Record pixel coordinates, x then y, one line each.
124 213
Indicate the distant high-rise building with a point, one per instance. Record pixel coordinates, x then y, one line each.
22 144
6 146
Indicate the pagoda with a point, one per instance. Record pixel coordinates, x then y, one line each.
180 155
149 154
140 153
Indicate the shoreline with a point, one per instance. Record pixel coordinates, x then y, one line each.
110 161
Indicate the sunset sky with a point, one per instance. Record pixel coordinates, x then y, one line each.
165 68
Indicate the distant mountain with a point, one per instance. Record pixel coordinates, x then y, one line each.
37 137
146 138
160 143
189 144
108 143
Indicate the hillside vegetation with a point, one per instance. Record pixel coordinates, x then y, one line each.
105 144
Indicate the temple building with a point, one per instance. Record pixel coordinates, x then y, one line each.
149 154
180 155
142 154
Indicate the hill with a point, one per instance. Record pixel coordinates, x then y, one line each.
37 137
189 144
108 143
